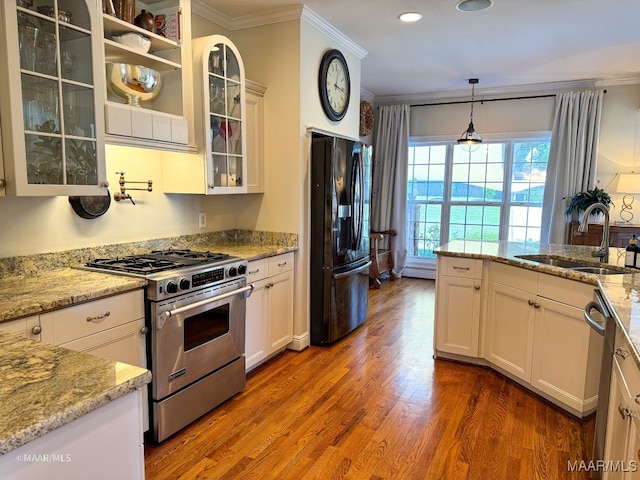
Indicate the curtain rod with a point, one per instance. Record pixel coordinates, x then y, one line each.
455 102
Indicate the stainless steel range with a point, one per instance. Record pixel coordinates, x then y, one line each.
196 305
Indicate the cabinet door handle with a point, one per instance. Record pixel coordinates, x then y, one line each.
624 412
466 269
99 317
620 352
282 264
37 330
253 272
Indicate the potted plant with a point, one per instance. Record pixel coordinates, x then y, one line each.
582 200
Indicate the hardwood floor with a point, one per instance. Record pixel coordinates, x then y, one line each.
377 406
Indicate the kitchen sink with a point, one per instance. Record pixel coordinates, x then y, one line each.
556 262
597 270
571 265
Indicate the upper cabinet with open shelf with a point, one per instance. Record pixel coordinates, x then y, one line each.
160 115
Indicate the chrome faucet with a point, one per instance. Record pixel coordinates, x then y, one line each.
603 250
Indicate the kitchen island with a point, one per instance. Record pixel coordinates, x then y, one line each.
66 414
622 291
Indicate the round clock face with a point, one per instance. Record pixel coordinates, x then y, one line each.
334 85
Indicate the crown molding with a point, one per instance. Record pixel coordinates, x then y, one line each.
491 93
294 12
278 15
329 30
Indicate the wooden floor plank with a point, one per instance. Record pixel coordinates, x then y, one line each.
375 405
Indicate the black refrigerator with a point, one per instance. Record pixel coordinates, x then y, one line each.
339 270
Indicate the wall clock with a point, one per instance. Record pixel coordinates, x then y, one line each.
334 85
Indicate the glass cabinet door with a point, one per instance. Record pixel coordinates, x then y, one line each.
55 51
226 117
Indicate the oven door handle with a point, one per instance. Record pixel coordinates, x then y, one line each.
246 292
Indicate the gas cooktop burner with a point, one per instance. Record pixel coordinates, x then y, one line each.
135 264
157 261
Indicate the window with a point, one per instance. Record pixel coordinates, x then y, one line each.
493 193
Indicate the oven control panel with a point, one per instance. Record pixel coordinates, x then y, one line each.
205 278
188 280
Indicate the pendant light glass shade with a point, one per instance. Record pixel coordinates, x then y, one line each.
470 139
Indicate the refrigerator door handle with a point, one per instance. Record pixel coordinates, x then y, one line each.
352 272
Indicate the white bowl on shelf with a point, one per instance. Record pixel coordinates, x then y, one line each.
134 40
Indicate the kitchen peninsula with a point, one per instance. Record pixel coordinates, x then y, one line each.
520 309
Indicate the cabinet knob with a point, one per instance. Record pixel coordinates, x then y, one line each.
637 399
144 330
37 330
620 352
530 302
624 412
536 305
477 287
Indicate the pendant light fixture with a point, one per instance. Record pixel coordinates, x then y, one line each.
470 139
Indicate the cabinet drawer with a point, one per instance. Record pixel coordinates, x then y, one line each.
564 290
515 277
257 270
89 318
280 263
460 267
628 366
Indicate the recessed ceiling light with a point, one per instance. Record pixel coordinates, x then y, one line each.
473 5
410 17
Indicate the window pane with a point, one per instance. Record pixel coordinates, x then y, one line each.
477 222
423 229
529 171
524 224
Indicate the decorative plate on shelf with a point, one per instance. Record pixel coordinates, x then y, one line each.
366 118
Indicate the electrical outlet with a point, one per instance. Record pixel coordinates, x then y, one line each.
202 220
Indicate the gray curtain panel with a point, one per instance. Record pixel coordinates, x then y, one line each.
573 157
389 192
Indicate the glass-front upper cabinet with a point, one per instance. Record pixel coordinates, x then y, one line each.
50 105
220 123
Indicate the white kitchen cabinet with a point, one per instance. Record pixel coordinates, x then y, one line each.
510 324
52 98
255 137
458 305
112 328
104 444
622 440
219 121
530 318
269 308
26 327
163 121
256 332
280 301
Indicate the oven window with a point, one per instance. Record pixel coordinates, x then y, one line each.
205 326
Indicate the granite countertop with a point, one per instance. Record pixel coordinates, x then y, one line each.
23 296
43 387
622 291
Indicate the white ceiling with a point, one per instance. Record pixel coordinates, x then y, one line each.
511 44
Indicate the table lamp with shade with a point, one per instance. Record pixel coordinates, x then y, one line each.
628 184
